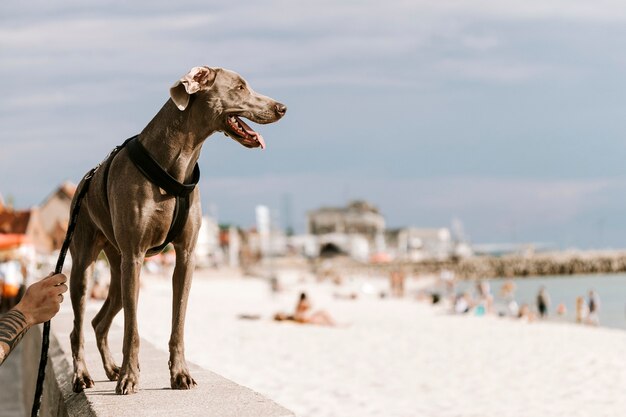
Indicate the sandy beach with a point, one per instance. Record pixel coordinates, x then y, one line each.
389 357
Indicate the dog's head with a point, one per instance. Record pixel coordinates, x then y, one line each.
228 98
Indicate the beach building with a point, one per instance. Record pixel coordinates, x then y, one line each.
304 244
358 217
415 244
54 215
41 227
208 250
274 242
24 227
355 230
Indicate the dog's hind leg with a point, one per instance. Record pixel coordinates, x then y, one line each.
112 305
85 247
180 378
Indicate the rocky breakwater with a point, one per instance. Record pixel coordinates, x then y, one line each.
556 263
552 263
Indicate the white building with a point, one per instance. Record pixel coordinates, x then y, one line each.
415 244
355 230
208 251
358 217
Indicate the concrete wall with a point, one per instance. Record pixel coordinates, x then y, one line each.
214 395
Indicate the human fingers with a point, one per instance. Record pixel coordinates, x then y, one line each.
58 279
61 298
61 289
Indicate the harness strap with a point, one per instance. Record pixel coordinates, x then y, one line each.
151 169
106 165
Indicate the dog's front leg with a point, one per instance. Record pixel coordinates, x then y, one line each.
128 380
181 283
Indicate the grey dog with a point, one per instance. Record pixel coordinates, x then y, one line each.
124 215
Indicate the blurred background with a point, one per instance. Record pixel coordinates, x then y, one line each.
503 115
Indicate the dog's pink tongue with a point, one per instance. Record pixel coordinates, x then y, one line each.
260 139
251 132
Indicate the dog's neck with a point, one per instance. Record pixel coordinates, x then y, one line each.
174 138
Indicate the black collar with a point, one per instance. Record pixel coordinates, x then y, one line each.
154 172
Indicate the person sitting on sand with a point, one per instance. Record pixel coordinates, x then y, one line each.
319 317
526 314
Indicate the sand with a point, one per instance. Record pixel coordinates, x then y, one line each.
390 357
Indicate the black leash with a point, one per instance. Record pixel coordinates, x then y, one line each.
45 338
151 169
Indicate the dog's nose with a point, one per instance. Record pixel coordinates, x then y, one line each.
281 109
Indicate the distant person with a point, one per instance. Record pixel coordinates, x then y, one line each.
507 290
581 310
512 308
396 282
507 293
525 313
484 297
543 302
462 304
275 284
40 303
301 314
483 289
594 308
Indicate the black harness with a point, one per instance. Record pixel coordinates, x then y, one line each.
158 176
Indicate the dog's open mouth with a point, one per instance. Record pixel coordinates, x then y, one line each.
242 133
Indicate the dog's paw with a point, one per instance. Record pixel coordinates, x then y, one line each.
112 371
182 380
127 384
82 380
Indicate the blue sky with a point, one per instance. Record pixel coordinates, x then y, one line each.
506 115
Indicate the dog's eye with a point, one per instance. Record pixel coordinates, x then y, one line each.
241 87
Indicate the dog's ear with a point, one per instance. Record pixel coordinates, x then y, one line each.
192 82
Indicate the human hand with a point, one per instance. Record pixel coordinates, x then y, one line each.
43 299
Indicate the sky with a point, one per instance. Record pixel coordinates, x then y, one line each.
505 115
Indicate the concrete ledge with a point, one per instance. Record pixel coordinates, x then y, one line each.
214 395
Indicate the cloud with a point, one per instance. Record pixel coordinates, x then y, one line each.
303 41
575 10
490 70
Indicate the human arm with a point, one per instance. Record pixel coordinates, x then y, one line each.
40 303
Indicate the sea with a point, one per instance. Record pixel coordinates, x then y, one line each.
565 289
